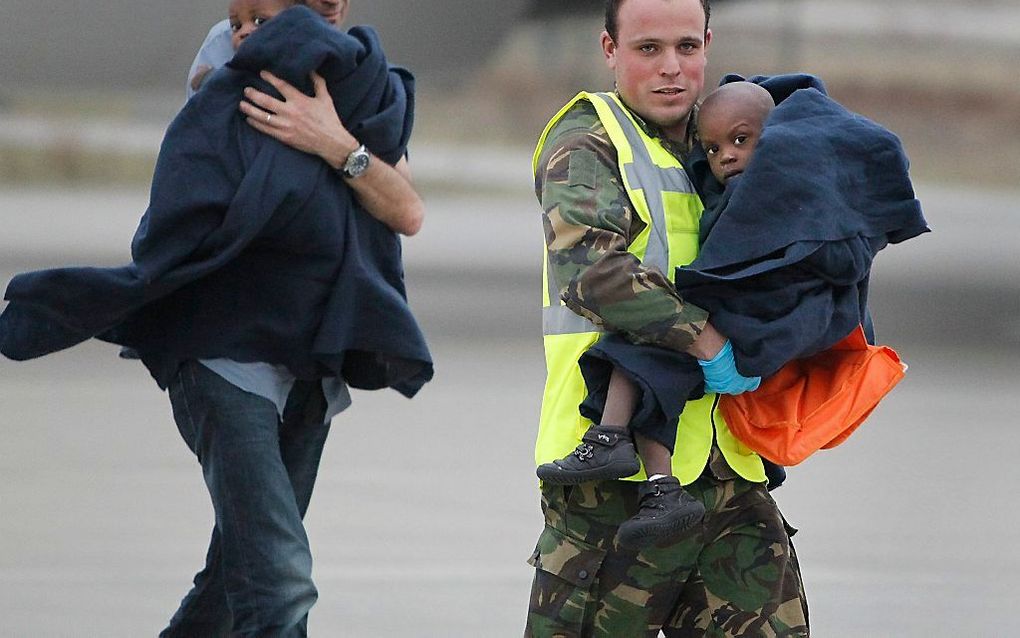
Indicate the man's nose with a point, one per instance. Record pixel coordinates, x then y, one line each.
670 64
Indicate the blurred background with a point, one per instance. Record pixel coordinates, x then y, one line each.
427 509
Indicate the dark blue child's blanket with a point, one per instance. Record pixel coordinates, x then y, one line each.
249 249
788 247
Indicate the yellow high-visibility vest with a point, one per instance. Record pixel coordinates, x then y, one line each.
664 198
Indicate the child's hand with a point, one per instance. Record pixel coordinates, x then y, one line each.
200 74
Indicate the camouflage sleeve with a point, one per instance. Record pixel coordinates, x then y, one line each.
589 222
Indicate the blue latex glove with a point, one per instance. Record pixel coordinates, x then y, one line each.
721 374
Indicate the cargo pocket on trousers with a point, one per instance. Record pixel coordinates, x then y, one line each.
562 600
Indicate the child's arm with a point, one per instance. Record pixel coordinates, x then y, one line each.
215 51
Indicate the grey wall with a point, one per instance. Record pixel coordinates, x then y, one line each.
141 44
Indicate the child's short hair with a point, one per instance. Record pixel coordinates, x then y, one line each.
751 95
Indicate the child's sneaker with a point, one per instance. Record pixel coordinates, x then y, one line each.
605 453
666 510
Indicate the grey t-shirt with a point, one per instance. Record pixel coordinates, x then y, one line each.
275 382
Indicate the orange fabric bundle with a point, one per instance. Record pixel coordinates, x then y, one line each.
814 403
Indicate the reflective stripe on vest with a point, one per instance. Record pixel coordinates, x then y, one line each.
642 173
560 320
664 198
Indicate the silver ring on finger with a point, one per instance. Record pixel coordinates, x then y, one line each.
269 117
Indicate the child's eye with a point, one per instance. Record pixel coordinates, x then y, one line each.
234 26
711 150
740 140
259 21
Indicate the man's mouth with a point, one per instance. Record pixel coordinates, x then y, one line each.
669 90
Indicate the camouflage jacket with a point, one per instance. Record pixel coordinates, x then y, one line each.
589 222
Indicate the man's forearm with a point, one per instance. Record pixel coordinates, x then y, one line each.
385 192
589 224
707 344
388 195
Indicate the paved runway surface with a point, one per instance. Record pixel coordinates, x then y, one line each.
425 510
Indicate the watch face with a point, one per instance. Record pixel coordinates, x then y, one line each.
360 163
356 163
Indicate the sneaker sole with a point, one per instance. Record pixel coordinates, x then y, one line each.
654 533
554 474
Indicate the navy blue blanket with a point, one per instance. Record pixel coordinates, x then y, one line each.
787 247
250 249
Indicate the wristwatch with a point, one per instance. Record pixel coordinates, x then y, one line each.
356 163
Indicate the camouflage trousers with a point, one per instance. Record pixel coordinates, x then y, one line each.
735 575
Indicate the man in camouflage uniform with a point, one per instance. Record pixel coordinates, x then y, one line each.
736 574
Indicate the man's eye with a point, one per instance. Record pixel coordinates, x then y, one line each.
647 48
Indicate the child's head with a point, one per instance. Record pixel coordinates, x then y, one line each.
730 122
247 15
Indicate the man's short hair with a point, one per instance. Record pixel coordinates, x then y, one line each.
613 10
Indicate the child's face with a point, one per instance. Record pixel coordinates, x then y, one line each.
729 132
247 15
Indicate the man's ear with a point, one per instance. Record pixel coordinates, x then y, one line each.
609 50
708 39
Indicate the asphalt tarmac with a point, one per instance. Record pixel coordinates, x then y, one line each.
426 510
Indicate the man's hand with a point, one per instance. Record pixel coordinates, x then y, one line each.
311 124
721 374
308 124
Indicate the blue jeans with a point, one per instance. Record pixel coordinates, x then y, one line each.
260 472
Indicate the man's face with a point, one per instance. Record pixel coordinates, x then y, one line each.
729 133
334 11
659 59
247 15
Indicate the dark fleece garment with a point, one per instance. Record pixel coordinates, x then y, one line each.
787 249
249 249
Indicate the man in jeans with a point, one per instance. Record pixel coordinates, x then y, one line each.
264 278
257 418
